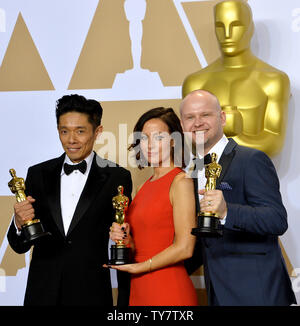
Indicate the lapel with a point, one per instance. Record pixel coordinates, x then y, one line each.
52 189
195 180
224 161
226 158
94 184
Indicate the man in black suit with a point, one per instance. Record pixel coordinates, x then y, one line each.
72 197
245 266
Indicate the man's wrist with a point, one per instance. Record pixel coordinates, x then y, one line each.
18 230
223 220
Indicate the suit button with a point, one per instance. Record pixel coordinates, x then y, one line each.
69 242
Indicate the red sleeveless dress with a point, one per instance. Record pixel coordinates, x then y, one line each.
150 216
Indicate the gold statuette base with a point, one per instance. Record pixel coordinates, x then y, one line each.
120 255
208 226
33 230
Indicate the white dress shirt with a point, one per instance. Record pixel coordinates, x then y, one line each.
71 187
218 148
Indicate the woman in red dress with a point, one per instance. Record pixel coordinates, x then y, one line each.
161 216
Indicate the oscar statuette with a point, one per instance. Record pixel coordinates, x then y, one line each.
234 121
31 229
120 254
208 223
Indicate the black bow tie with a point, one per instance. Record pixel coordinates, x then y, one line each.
199 163
68 168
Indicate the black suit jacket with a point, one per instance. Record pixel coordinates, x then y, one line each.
67 268
245 266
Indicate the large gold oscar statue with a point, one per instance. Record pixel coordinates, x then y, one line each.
253 94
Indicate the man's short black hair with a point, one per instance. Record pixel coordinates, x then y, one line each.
78 103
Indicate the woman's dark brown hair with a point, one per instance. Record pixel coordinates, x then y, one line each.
169 117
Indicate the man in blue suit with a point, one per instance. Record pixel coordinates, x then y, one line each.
245 266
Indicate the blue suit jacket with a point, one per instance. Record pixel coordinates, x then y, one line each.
245 266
